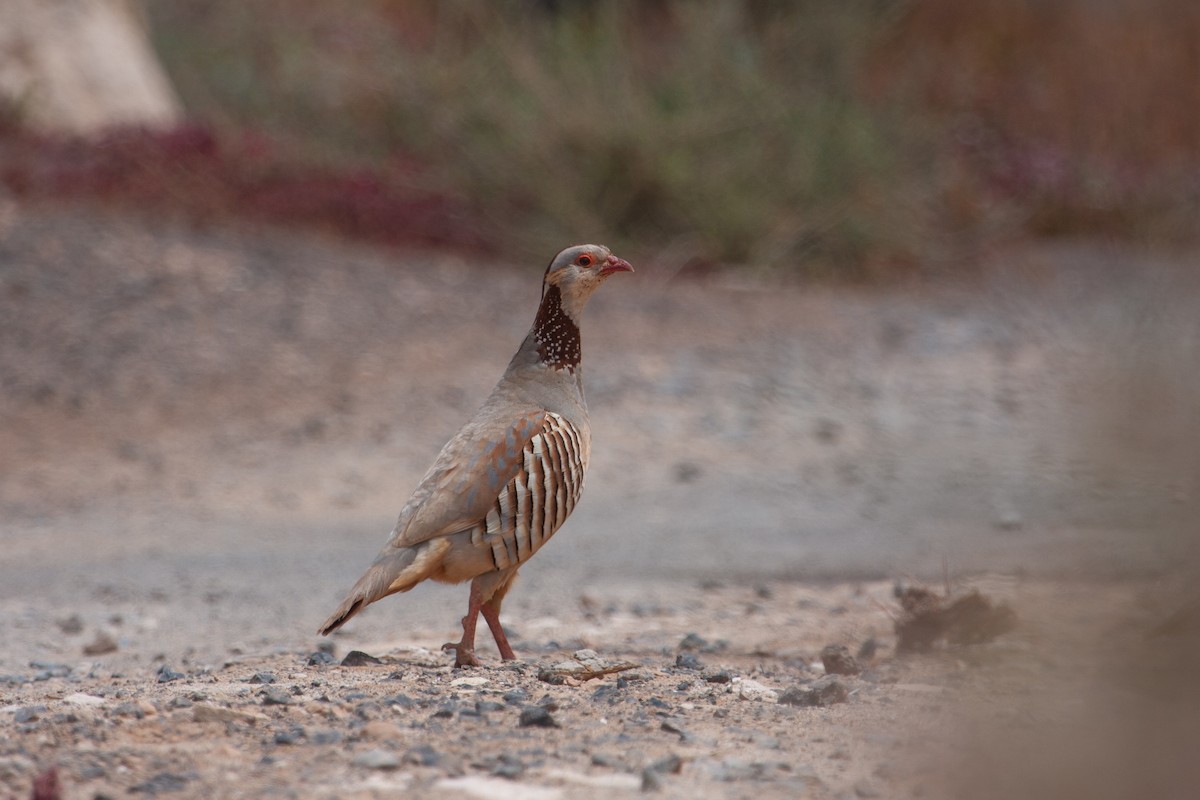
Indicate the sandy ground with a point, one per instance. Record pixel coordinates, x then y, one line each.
206 434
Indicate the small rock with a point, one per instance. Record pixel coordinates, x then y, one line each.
376 759
162 783
487 706
673 726
137 709
653 774
473 680
446 710
326 737
693 641
753 690
507 766
81 699
207 713
165 674
400 701
824 692
516 697
102 644
837 660
717 676
423 755
688 661
537 717
290 736
262 677
71 625
357 658
590 659
320 658
275 696
651 780
49 669
28 714
179 701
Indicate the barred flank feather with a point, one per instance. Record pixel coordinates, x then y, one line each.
539 498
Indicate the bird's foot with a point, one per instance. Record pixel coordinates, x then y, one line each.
463 656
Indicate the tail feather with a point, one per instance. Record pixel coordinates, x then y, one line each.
386 576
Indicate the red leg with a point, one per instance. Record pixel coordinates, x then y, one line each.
491 613
464 650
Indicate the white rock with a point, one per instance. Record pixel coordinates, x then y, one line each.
609 780
476 680
81 699
497 789
753 690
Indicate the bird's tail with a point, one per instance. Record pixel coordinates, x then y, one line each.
395 570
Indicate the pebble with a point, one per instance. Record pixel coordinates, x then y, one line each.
162 783
507 766
275 696
262 677
423 755
537 717
326 737
290 736
753 690
28 714
474 680
717 676
138 709
671 725
376 759
49 669
102 644
823 692
837 660
81 699
652 776
320 658
688 661
357 658
446 710
693 641
590 660
400 700
165 674
516 697
206 713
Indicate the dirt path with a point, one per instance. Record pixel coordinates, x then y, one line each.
204 435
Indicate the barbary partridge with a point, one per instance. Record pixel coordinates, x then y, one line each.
510 477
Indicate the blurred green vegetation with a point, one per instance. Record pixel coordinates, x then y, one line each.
851 137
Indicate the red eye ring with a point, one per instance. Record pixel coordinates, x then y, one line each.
584 261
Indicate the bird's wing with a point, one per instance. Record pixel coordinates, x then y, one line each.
467 477
539 497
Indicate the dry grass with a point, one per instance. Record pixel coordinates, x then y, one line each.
844 138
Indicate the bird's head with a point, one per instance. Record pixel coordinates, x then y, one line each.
578 270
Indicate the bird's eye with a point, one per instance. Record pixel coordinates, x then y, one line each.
584 261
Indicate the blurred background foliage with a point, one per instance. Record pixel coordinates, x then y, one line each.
856 138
